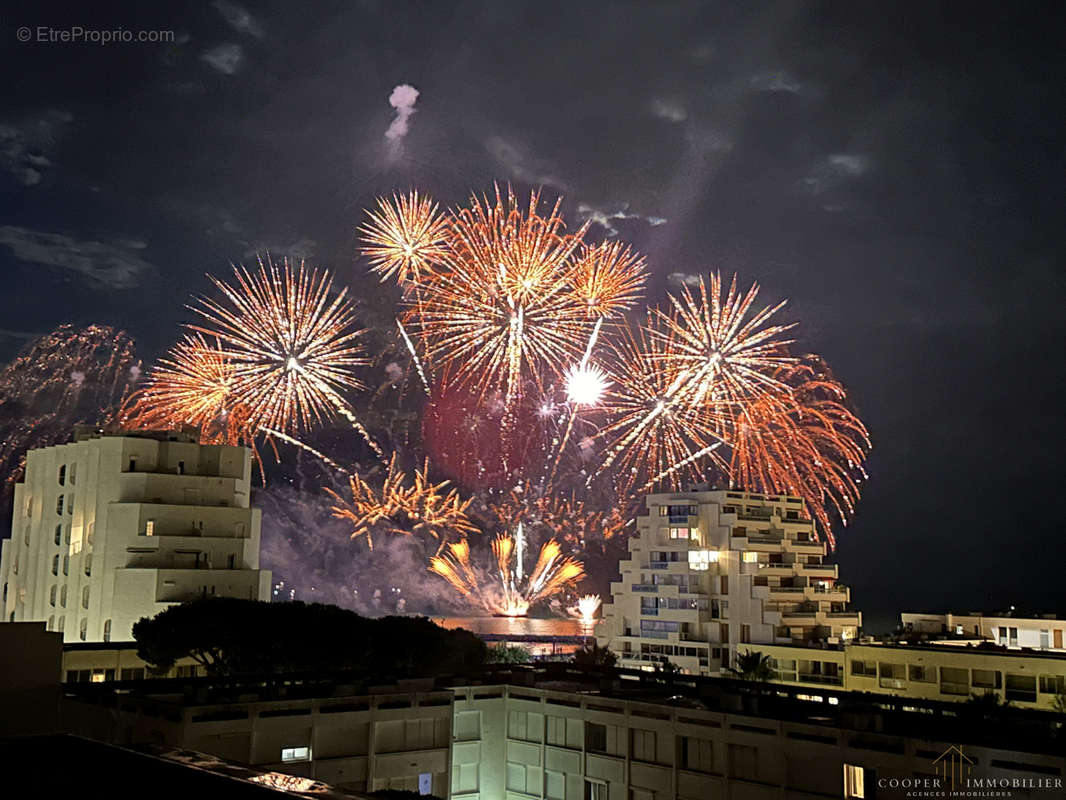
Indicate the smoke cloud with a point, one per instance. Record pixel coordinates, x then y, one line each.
403 99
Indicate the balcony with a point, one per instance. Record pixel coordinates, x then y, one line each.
649 612
650 588
824 680
829 570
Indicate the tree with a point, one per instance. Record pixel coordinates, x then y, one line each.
507 654
230 637
592 655
752 665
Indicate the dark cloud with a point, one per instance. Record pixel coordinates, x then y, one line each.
117 264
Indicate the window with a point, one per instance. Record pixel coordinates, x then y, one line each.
467 725
527 726
1045 639
1021 688
701 560
750 557
149 528
51 622
853 782
1013 637
555 785
696 754
55 564
132 674
642 745
83 628
1052 684
893 676
70 504
52 596
62 622
85 597
294 753
181 467
91 535
954 680
866 669
921 673
679 533
594 790
59 504
62 474
88 564
73 473
63 596
133 465
745 633
725 585
66 565
522 778
986 679
59 533
595 737
107 630
26 536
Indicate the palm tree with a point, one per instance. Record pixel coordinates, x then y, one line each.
752 665
592 655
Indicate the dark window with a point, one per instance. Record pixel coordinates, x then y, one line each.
595 737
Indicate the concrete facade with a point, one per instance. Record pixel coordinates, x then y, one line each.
711 570
945 673
112 528
1040 633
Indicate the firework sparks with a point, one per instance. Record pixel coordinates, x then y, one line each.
290 346
403 506
404 238
191 386
502 310
587 606
812 448
586 385
505 593
609 279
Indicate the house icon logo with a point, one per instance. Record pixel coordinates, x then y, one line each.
952 766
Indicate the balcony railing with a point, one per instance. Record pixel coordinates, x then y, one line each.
827 680
649 612
661 564
645 587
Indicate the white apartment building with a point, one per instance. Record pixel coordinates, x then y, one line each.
710 570
112 528
1040 633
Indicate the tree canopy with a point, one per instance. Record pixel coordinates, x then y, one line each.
230 637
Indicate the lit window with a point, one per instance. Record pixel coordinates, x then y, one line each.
853 782
679 533
701 560
751 557
149 528
295 754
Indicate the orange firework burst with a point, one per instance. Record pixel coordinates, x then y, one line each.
403 506
609 279
506 592
813 447
191 386
289 343
714 351
404 238
502 310
560 517
651 427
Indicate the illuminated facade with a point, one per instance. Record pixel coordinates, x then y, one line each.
711 570
1046 632
109 529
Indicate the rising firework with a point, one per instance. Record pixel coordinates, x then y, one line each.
403 506
289 342
587 606
811 448
499 590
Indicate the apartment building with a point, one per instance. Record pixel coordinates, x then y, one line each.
112 528
1045 632
930 672
711 570
560 733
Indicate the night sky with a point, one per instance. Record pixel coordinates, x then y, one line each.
895 170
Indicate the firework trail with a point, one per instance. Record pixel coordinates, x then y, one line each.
812 448
414 356
403 506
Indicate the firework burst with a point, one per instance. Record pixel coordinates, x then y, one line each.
404 238
811 448
288 342
403 506
192 385
608 279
